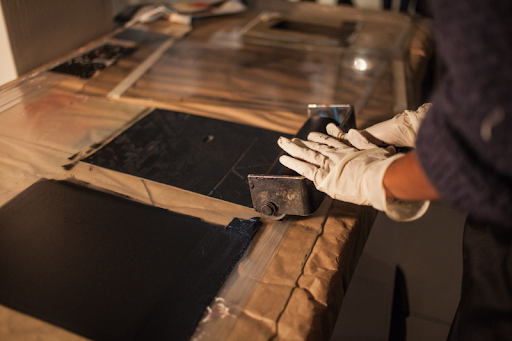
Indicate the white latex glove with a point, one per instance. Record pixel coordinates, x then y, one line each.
348 174
400 131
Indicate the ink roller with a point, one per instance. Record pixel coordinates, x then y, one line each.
282 191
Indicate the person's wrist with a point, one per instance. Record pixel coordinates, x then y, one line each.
374 181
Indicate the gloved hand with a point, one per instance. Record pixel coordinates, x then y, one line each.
400 131
348 174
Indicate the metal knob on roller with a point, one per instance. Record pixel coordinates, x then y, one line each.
283 192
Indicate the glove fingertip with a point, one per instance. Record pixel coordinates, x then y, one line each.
315 136
333 130
283 158
281 140
358 140
286 160
312 135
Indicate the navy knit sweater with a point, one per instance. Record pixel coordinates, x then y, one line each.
465 142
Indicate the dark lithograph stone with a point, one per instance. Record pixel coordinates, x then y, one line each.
199 154
86 65
141 36
109 268
341 34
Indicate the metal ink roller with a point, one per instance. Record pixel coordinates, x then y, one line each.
282 191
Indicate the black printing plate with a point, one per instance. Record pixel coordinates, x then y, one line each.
199 154
109 268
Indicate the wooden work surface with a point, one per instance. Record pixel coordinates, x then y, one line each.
296 292
215 67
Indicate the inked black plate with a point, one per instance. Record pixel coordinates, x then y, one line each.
109 268
199 154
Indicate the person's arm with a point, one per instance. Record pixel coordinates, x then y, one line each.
404 179
352 175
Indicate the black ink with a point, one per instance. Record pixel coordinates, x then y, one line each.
73 156
86 65
69 166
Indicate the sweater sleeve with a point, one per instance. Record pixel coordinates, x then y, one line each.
465 142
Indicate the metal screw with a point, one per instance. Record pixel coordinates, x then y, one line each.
269 208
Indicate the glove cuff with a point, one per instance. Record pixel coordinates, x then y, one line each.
406 210
396 209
